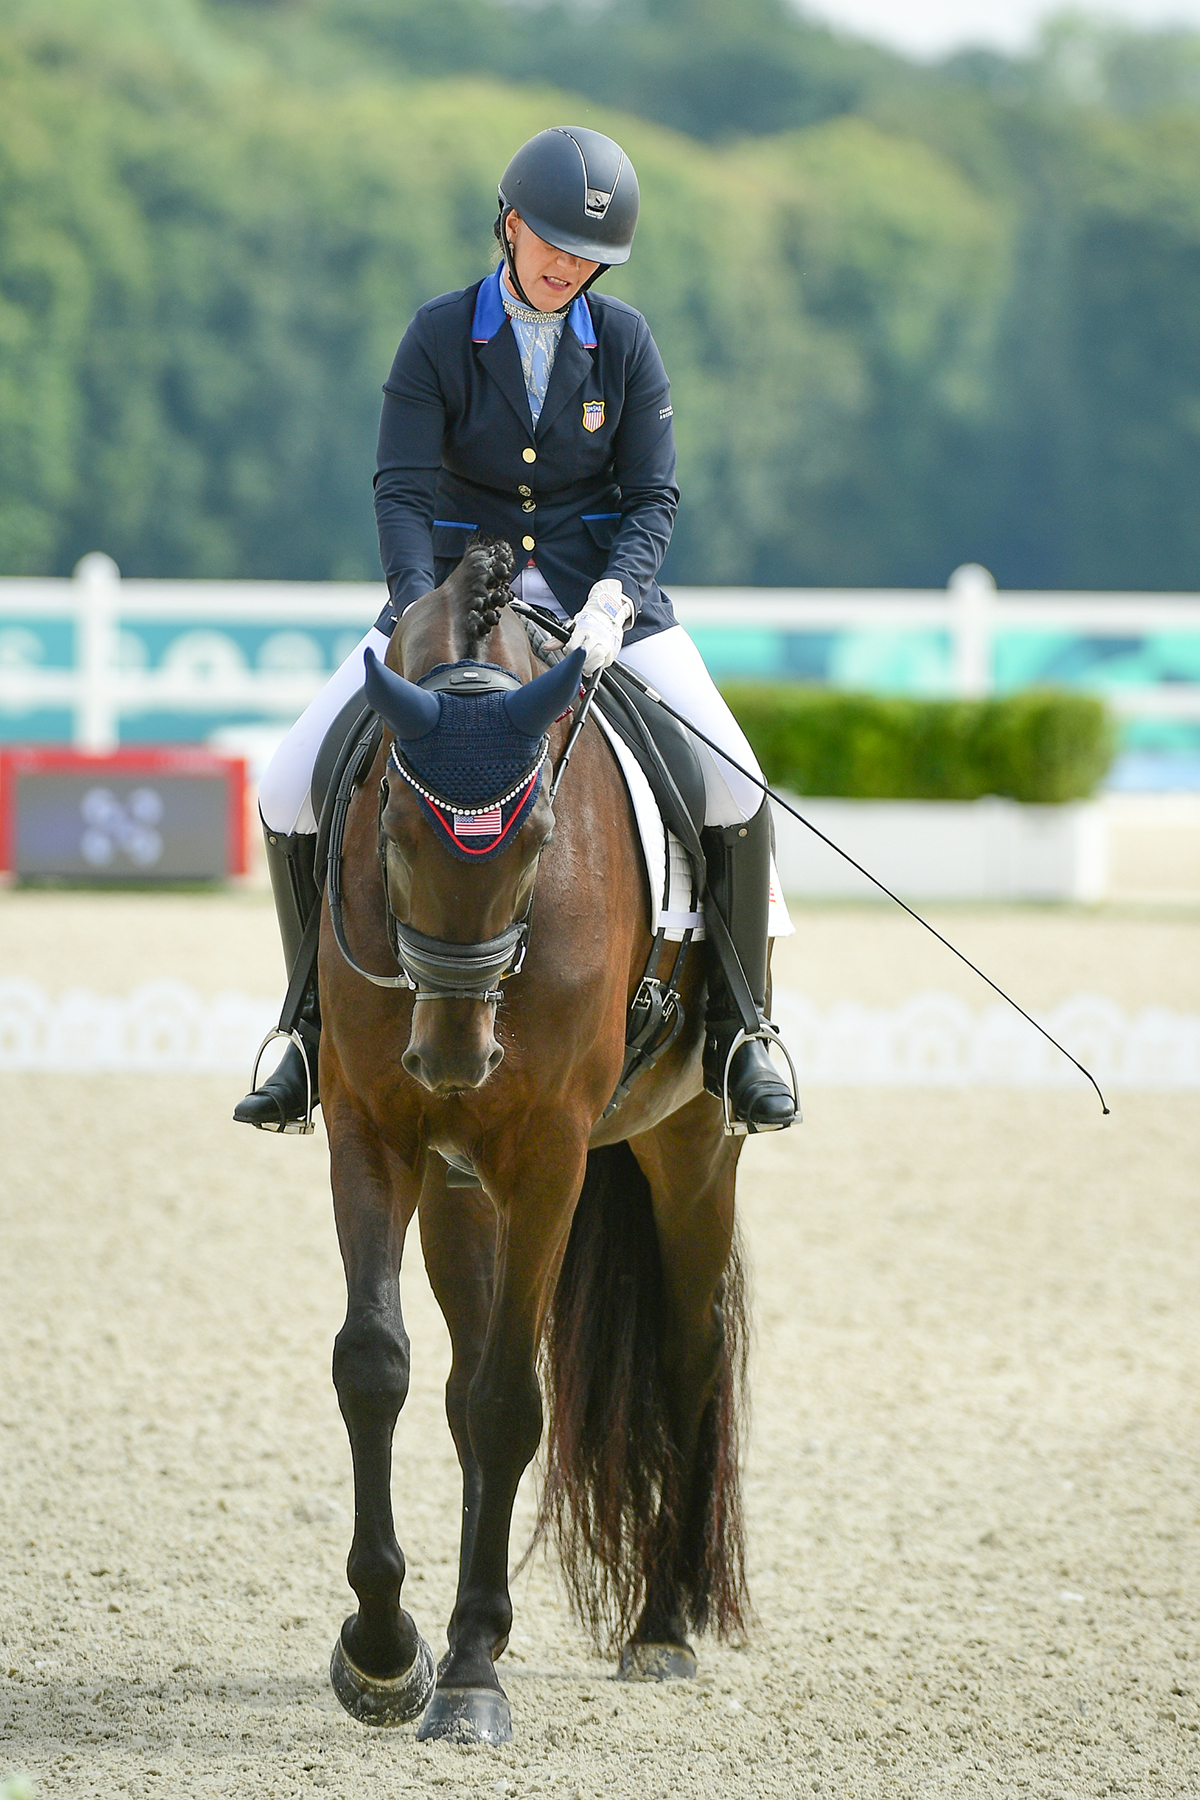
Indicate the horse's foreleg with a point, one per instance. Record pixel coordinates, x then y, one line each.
458 1238
382 1670
504 1425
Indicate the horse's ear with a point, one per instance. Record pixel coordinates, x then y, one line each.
408 710
533 707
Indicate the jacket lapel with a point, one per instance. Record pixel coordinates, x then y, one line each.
572 365
502 360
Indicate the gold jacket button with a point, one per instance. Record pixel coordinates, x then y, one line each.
529 506
527 543
529 455
524 491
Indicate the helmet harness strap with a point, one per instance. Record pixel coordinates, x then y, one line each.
510 263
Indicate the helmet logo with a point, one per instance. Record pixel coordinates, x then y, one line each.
593 415
597 202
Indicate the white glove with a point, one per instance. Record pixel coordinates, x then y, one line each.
600 625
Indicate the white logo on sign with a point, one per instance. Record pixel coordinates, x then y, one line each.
111 826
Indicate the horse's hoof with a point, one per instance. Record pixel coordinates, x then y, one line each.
467 1716
398 1700
657 1662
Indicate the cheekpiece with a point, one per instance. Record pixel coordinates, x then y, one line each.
476 775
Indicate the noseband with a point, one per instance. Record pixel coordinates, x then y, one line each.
442 971
433 968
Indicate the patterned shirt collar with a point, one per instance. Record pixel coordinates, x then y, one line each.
490 313
529 315
537 336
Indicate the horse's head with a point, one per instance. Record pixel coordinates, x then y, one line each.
464 815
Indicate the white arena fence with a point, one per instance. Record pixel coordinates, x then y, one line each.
98 661
929 1040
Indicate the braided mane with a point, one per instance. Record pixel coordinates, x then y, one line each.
485 570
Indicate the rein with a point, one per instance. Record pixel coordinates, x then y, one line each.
545 622
434 968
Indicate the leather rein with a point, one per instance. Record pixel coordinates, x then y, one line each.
434 968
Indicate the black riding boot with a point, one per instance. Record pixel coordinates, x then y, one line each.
739 877
280 1103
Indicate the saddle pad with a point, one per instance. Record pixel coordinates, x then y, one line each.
668 871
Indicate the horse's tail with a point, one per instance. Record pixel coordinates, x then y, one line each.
612 1495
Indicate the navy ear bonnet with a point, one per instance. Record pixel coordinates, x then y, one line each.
476 771
479 777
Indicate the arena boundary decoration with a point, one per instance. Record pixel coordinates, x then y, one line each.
930 1039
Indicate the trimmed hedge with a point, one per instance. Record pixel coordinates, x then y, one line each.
1036 745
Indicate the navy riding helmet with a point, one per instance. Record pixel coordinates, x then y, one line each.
578 191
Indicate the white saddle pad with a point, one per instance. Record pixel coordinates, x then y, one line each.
668 871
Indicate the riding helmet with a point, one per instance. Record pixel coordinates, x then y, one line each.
577 190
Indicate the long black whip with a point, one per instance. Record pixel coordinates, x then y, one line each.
628 674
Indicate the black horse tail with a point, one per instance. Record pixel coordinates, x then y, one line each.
612 1497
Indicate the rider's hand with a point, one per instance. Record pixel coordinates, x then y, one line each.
600 625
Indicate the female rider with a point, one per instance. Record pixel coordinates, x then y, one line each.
527 408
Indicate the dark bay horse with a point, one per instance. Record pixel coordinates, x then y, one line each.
601 1252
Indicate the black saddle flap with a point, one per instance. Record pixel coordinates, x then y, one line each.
332 745
674 744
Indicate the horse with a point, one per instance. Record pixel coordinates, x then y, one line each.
599 1253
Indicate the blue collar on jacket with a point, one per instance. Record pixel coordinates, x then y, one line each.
490 314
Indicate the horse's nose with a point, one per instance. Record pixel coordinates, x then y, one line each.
443 1072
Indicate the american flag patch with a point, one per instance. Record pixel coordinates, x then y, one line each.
593 415
479 825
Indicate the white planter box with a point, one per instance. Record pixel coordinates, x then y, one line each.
988 849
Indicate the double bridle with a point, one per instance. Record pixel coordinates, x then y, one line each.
433 968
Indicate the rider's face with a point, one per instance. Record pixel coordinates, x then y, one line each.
550 277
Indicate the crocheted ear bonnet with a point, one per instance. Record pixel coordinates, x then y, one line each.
476 775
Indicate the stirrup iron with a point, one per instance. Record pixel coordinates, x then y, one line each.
290 1127
768 1033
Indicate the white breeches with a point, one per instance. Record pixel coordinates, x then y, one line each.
669 661
284 793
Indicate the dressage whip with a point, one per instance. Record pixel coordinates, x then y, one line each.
628 674
589 693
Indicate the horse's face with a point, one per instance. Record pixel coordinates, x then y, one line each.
460 869
452 1045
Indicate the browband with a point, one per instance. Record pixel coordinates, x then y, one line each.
468 812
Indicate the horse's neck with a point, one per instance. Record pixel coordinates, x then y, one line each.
431 634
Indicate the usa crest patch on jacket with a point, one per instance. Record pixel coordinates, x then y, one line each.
593 415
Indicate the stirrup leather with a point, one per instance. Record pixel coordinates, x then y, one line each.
768 1033
290 1127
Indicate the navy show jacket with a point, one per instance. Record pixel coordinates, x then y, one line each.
586 493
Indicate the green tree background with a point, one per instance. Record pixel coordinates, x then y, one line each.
913 317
